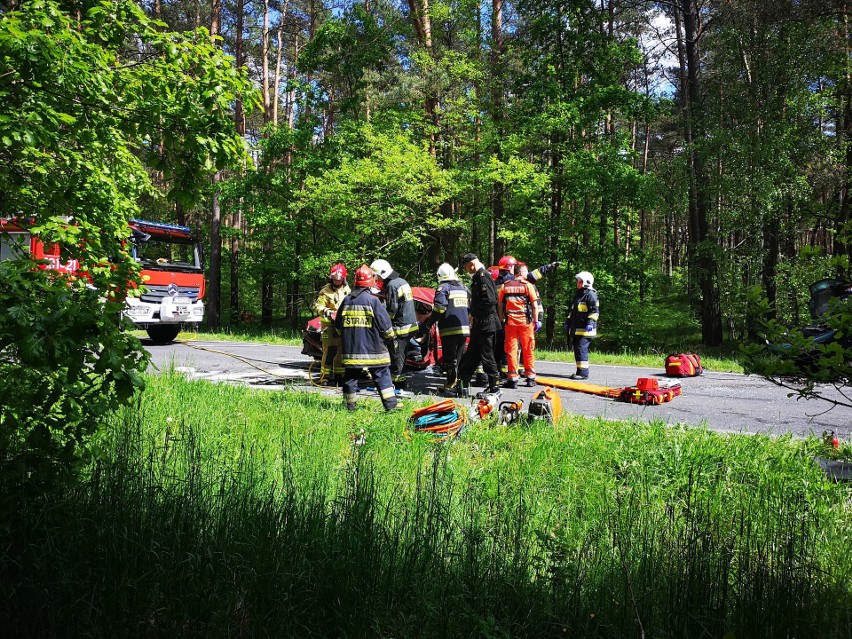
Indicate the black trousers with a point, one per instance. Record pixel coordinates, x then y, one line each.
480 349
397 353
500 351
452 351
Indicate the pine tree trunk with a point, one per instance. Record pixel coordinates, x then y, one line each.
214 288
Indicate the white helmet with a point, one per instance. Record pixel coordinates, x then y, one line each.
446 273
586 278
381 268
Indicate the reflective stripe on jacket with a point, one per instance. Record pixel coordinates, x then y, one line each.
541 271
451 309
583 312
400 305
518 299
364 325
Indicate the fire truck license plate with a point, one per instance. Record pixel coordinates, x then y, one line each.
181 306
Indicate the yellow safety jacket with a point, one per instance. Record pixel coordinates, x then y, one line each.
328 301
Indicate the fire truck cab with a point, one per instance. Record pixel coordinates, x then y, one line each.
172 266
173 276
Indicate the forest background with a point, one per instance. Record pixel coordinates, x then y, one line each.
687 148
691 147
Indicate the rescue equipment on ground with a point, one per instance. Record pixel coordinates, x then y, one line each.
509 411
647 390
683 365
483 405
444 419
546 404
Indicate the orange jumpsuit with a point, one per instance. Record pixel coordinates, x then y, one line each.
517 303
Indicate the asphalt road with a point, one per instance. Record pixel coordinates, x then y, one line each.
728 402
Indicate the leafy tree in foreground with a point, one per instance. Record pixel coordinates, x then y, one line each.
88 95
809 359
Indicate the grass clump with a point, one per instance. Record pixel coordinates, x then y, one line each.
225 511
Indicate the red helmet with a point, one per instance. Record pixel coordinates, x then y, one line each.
337 272
364 276
507 263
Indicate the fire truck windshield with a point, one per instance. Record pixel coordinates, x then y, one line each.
165 253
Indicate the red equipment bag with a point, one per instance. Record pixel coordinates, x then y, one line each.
683 365
647 391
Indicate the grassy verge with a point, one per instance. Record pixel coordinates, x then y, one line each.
225 511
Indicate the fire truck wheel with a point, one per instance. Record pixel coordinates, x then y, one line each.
163 334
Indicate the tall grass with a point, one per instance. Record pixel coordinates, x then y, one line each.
223 511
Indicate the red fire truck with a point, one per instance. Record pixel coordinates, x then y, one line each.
172 272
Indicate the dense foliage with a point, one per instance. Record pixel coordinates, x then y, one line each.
91 95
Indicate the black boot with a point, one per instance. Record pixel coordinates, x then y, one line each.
463 389
493 384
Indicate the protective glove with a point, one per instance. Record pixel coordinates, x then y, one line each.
333 316
537 326
566 325
328 314
555 265
590 326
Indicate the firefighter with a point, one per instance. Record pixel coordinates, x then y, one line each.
399 302
518 310
483 330
524 273
505 273
582 324
451 312
326 305
365 327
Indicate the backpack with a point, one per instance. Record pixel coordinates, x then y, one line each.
683 365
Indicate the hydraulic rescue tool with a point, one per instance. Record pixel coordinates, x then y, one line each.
510 411
483 404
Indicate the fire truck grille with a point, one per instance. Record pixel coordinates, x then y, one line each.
155 294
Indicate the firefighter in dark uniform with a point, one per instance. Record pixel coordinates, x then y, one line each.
365 327
582 324
451 312
399 302
485 324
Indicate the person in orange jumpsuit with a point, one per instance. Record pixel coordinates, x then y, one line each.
517 306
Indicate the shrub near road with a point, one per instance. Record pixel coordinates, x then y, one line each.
223 511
